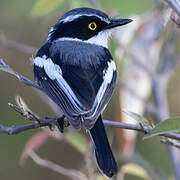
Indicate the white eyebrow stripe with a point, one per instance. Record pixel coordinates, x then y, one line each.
73 17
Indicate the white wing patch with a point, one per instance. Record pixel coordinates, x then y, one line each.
54 72
108 73
107 79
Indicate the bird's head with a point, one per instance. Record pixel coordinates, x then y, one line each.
85 24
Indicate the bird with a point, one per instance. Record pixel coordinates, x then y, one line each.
76 70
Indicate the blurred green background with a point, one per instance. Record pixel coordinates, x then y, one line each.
17 23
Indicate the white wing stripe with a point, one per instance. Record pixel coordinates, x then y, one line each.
54 72
108 75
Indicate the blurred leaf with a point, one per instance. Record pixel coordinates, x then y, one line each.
79 3
43 7
78 141
127 7
168 125
138 118
101 178
136 170
34 143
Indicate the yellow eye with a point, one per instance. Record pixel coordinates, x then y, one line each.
92 26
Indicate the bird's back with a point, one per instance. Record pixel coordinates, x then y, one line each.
82 66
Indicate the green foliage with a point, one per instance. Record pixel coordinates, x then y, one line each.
79 3
136 170
101 177
124 7
43 7
168 125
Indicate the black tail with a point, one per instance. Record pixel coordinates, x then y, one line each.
104 155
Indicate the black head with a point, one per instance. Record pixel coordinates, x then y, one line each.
83 24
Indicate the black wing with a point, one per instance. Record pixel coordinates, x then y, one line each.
73 81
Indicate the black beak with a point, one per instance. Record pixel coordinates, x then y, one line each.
118 22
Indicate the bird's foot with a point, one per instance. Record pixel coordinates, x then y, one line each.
59 122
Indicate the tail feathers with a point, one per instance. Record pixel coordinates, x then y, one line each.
104 155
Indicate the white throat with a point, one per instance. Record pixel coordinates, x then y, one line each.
101 39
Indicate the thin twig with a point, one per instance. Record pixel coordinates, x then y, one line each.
28 82
139 128
17 46
71 173
171 142
6 68
18 129
24 111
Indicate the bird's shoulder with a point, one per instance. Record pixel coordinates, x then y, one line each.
84 58
79 53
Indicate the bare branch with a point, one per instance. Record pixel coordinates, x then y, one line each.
18 129
4 67
139 128
15 45
71 173
24 111
171 142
